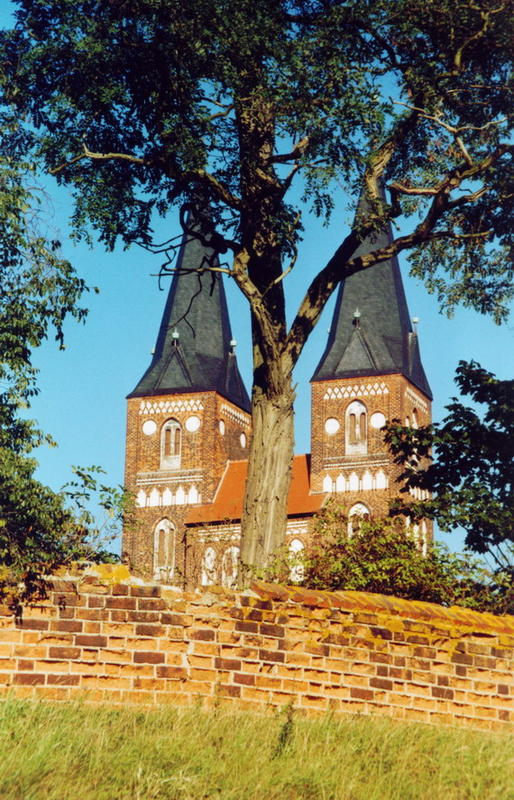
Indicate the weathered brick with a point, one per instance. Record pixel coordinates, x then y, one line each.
442 692
151 604
29 678
205 634
66 625
149 630
381 683
247 627
121 602
174 673
64 652
148 657
86 640
33 624
272 655
361 694
181 620
145 591
244 679
63 680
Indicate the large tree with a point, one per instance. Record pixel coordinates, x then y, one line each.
263 108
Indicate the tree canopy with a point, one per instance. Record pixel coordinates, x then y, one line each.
460 472
39 528
264 108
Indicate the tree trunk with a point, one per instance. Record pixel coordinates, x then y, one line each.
269 477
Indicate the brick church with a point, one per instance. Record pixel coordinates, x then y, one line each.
189 422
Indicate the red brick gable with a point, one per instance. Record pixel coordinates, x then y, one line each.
228 501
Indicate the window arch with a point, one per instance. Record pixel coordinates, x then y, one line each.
230 567
171 444
356 428
164 550
297 570
209 566
356 515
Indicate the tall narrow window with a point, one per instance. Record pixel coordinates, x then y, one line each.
230 567
209 572
171 445
356 428
164 551
356 515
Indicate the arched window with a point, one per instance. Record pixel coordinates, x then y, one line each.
356 428
209 566
328 484
297 571
367 481
340 483
356 515
230 567
381 479
164 551
171 444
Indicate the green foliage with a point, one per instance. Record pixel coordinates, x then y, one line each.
466 463
62 751
39 528
384 557
138 104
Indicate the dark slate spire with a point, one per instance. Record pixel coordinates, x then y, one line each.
195 350
371 332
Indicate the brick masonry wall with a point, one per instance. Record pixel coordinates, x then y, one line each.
324 651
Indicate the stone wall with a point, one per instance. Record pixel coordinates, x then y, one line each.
338 651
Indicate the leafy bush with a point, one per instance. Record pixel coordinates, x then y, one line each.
382 557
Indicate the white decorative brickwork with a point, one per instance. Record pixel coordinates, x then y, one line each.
217 533
169 406
238 416
297 527
168 477
356 390
416 398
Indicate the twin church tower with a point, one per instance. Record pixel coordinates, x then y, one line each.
189 423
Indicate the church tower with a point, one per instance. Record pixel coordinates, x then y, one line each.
187 416
370 372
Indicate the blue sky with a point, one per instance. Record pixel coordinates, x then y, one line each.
83 389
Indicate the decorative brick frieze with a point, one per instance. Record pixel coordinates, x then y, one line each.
350 390
417 399
169 406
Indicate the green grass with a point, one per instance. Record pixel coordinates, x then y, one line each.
65 752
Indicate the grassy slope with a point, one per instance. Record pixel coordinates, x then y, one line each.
60 752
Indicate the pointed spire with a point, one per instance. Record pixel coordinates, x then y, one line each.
371 332
194 350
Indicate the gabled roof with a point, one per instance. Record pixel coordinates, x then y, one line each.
228 501
379 339
194 350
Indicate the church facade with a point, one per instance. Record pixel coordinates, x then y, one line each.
189 422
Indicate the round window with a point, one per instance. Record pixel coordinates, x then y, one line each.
242 439
332 426
377 420
192 424
149 427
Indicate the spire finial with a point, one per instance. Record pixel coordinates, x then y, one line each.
357 318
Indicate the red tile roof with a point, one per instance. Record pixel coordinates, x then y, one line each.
228 501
